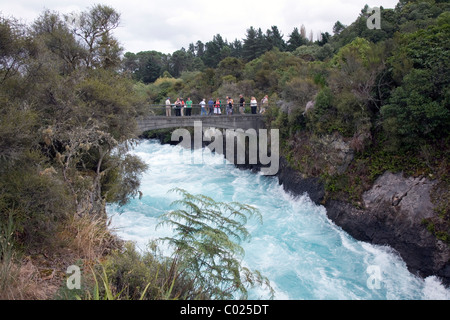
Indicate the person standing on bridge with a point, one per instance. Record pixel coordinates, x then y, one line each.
241 104
203 107
253 105
168 108
211 106
264 104
188 107
229 106
183 106
217 106
178 107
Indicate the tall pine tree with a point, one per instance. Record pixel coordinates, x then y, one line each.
275 39
249 49
295 40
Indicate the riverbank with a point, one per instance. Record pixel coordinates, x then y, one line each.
392 215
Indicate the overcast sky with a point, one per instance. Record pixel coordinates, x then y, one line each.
168 25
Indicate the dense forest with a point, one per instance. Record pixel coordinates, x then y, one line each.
382 92
70 96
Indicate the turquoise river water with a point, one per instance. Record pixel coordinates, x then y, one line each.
302 252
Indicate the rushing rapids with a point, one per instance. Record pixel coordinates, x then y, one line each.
304 254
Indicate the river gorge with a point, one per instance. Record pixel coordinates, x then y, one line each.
304 254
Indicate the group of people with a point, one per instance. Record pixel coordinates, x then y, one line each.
179 106
214 107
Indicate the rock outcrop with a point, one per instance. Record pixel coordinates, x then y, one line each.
393 213
335 152
296 184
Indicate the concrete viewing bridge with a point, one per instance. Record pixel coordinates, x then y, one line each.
239 121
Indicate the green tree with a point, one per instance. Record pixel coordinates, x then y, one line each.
360 67
17 120
338 27
94 28
215 51
417 110
412 116
180 61
249 49
275 39
15 50
324 39
230 66
323 105
152 68
59 39
255 44
200 49
414 15
207 244
64 125
236 49
295 40
145 66
308 53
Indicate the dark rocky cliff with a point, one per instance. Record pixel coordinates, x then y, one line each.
393 213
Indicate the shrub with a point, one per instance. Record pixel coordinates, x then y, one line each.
412 115
299 90
38 197
147 275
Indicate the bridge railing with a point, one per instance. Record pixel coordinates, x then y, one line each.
159 110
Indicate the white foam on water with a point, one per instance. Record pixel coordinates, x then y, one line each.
303 253
434 290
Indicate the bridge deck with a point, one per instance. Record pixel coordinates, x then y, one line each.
245 122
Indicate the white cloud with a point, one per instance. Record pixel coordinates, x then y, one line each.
168 25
